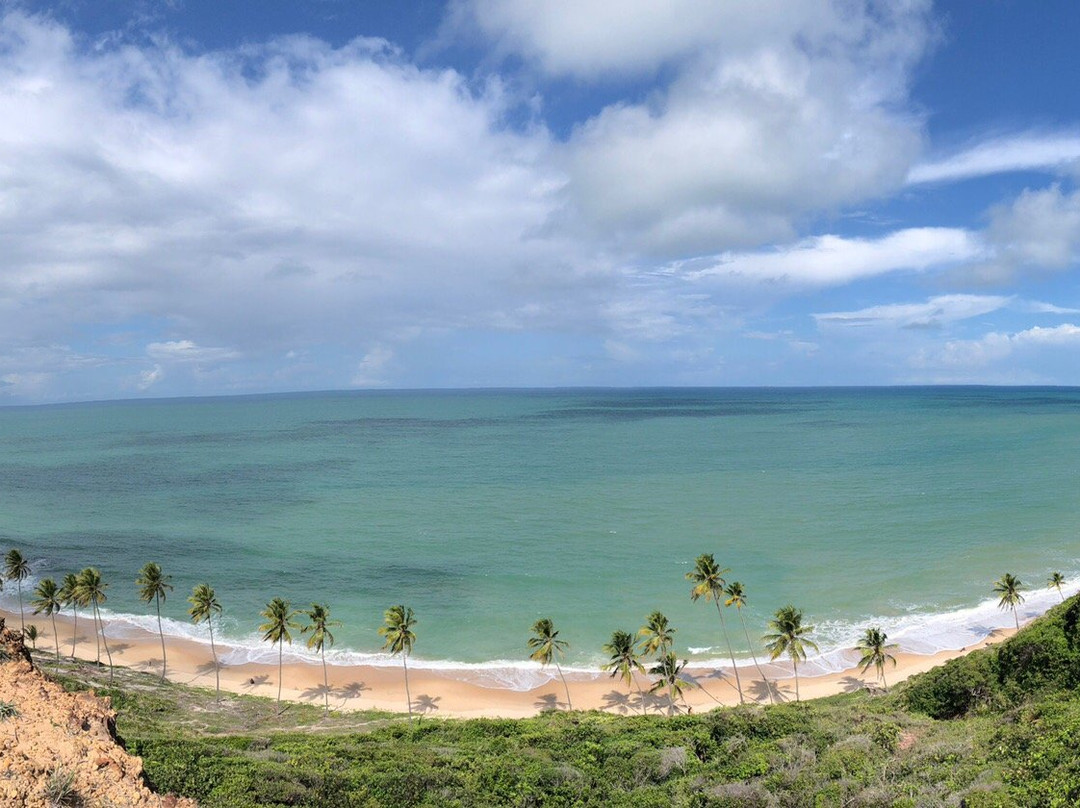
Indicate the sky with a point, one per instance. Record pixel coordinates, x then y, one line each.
206 198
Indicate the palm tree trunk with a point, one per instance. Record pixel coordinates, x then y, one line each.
731 653
408 696
22 618
754 657
326 683
56 639
104 641
97 636
884 684
279 647
795 667
157 601
566 687
1016 617
213 651
74 632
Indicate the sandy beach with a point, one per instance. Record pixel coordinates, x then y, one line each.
454 693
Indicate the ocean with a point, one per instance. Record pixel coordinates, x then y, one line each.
485 510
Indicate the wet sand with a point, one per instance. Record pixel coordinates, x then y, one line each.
456 693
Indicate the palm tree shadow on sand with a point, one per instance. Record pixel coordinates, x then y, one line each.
548 703
619 702
353 690
762 692
425 704
316 692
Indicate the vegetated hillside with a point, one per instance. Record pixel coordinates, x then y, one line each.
999 727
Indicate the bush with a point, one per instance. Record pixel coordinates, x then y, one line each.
954 689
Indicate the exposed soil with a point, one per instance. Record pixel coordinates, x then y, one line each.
59 748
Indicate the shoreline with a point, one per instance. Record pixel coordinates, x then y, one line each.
453 694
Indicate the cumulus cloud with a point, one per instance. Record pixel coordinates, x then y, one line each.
270 197
1038 232
998 346
752 136
1022 152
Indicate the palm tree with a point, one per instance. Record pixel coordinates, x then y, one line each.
1008 587
1057 580
17 568
736 596
547 648
623 661
279 619
90 590
397 629
153 585
319 627
875 652
708 579
47 600
31 633
789 636
68 596
656 635
204 605
667 670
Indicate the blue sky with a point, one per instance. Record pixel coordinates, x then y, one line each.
202 198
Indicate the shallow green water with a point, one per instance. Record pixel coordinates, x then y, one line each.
486 510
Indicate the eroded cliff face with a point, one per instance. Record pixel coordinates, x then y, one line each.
59 748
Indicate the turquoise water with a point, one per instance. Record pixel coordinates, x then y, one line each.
486 510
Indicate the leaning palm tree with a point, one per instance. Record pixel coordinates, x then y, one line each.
656 635
736 596
789 636
1057 580
875 652
279 619
398 622
91 592
17 569
153 584
1008 587
708 580
623 661
68 597
319 627
204 605
668 671
47 600
547 648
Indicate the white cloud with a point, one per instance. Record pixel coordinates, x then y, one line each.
804 116
833 260
148 378
997 346
370 370
185 350
1038 232
1023 152
934 313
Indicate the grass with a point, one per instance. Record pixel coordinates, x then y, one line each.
1017 742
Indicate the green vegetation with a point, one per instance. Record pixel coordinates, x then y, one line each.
1014 742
